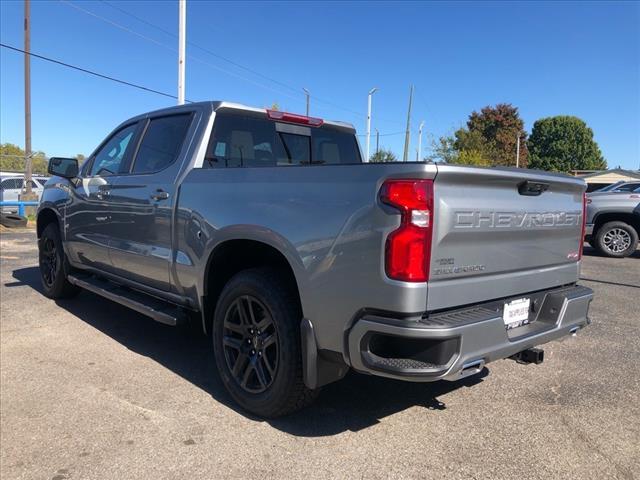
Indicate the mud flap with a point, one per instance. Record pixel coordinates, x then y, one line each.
317 370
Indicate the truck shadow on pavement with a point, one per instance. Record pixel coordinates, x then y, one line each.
352 404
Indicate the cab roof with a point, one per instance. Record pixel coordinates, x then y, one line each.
216 105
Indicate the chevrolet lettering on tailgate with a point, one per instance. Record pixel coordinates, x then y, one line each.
480 219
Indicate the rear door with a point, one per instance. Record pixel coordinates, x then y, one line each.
502 232
143 201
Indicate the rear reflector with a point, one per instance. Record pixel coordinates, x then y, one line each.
408 248
294 118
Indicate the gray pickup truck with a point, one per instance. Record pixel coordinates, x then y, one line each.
301 262
613 219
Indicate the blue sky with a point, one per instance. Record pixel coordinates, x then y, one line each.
547 59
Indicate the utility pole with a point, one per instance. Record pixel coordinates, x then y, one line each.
306 92
371 92
27 97
420 142
518 152
377 141
407 137
182 33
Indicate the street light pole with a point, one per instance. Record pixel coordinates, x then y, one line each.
518 152
371 92
182 32
407 136
377 141
420 142
306 92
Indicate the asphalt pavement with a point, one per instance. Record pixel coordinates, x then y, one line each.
92 390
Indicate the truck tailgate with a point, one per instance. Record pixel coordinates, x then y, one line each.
495 237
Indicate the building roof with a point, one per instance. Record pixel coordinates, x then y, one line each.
633 174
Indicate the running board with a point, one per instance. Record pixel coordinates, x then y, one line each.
153 307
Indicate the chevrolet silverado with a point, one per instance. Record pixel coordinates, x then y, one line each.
302 261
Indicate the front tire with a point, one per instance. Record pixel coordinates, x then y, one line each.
616 239
256 339
54 265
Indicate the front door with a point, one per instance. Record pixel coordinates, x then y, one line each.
143 199
88 216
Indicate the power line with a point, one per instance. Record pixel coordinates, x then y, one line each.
210 52
90 72
296 90
164 45
117 80
232 62
106 77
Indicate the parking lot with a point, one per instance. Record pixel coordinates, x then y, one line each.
90 389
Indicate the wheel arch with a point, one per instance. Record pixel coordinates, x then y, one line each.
627 217
45 217
234 255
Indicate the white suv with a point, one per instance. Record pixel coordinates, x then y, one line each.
11 187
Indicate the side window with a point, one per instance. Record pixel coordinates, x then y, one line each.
161 143
11 183
108 159
627 187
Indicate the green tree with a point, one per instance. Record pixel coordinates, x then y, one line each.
12 159
493 134
443 150
473 157
383 155
564 143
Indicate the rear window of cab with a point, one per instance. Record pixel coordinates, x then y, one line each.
242 140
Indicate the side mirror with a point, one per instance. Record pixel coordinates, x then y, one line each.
63 167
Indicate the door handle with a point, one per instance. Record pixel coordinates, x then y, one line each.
159 195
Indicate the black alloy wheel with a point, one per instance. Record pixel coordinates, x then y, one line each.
257 344
54 264
48 261
250 343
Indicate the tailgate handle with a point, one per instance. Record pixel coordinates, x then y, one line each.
532 189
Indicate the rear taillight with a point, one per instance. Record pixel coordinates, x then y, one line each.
294 118
408 248
584 223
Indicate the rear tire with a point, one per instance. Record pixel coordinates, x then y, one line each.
616 239
256 340
54 264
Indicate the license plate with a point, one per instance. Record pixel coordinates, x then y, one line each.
516 313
